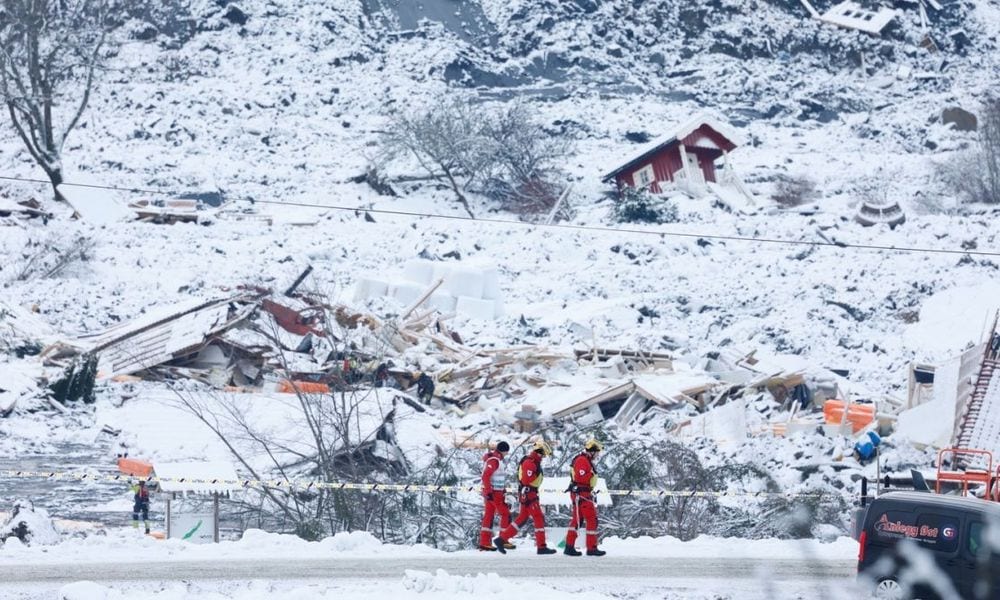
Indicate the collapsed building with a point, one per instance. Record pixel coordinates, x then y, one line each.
258 341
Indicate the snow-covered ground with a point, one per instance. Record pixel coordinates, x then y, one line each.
126 545
288 109
779 568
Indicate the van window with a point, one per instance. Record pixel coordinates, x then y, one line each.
933 531
975 537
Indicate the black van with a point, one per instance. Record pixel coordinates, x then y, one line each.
924 545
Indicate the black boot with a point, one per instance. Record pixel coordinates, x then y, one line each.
546 550
595 552
498 542
571 551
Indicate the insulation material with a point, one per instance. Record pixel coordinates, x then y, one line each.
419 271
465 282
476 308
471 291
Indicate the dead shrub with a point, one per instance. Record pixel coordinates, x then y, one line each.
975 173
790 192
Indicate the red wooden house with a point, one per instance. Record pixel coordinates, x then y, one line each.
687 158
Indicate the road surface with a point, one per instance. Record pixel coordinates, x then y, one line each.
526 566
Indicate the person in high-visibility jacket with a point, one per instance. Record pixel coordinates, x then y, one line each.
495 502
529 475
140 504
581 495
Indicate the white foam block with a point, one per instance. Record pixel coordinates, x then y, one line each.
443 301
407 293
370 288
476 308
465 282
491 283
419 271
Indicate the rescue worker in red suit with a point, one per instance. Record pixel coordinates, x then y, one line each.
495 504
583 503
529 475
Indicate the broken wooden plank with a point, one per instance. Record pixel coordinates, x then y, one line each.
423 298
57 405
606 353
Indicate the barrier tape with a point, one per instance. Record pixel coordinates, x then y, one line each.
292 484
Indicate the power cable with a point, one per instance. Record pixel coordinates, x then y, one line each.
587 228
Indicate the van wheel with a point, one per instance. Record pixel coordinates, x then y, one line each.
889 589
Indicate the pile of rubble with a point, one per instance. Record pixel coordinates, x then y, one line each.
255 340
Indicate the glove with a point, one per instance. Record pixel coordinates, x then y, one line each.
488 494
573 487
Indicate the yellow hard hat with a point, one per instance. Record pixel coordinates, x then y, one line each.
542 448
593 445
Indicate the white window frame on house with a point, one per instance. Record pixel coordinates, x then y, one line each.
644 177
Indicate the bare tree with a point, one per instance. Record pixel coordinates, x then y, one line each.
345 435
503 153
524 159
50 51
446 140
332 440
48 258
989 142
792 191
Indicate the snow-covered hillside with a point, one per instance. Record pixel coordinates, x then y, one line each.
283 102
286 108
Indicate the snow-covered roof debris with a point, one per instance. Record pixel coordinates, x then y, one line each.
94 204
853 16
159 338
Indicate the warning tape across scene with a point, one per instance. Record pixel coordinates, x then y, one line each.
292 484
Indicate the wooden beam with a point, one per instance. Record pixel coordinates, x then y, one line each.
423 298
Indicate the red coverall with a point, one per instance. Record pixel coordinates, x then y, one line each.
529 474
584 505
493 497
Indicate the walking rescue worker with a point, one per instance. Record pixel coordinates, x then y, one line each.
529 474
495 502
141 504
581 495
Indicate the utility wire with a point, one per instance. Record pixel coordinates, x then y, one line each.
587 228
